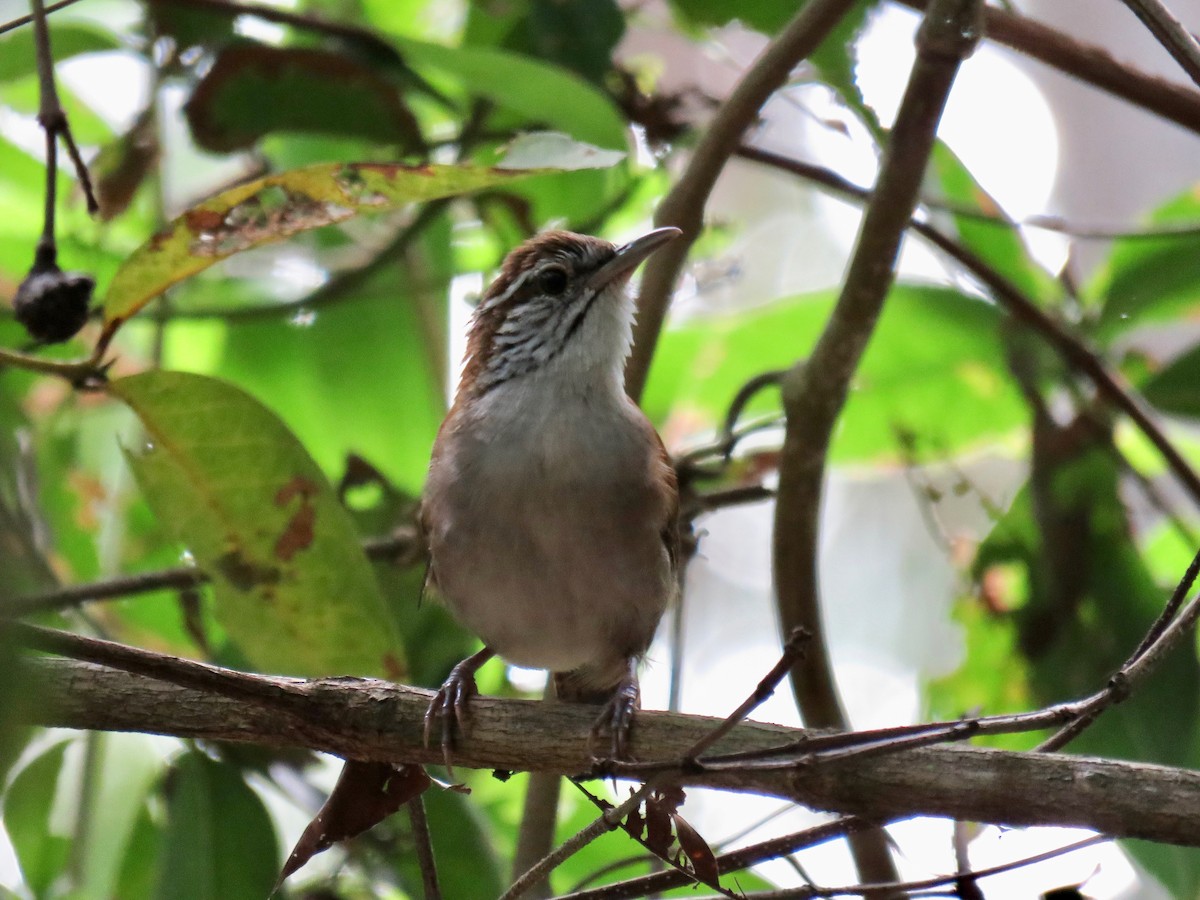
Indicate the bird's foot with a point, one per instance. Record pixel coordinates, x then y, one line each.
450 705
616 719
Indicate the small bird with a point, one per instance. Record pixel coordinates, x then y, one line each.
551 507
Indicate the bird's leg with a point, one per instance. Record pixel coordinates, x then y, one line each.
449 704
617 716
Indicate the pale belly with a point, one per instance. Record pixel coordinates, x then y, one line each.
552 577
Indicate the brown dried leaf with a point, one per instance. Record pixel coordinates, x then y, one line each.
696 849
366 793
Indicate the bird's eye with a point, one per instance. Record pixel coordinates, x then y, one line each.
553 280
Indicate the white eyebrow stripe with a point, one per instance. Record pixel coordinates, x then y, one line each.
512 289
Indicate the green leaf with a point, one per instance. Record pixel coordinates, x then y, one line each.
219 842
1089 599
767 16
125 768
229 481
1152 278
460 833
18 57
540 94
41 853
255 89
139 868
576 36
934 350
25 568
837 58
273 208
997 244
1176 387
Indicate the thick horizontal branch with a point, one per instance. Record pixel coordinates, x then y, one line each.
371 719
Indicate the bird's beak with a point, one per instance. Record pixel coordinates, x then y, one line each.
630 257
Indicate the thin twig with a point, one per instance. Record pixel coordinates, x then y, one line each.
182 672
402 545
793 649
810 892
684 206
690 876
1140 664
13 24
85 374
747 392
424 847
608 821
1089 63
1022 308
733 861
1169 32
1170 609
52 118
815 390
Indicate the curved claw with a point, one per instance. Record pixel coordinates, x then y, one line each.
616 717
450 705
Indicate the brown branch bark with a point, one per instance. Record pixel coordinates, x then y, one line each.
370 719
815 390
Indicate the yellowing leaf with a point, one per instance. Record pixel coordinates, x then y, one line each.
276 207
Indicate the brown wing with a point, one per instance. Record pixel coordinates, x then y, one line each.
671 526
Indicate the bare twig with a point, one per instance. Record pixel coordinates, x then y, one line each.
85 373
727 862
815 389
1170 609
1145 658
1089 63
689 876
402 545
1022 308
1169 32
683 207
606 822
20 21
54 121
924 884
793 649
424 847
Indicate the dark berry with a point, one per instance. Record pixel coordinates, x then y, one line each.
53 304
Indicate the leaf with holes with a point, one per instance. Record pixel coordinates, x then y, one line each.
276 207
228 480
